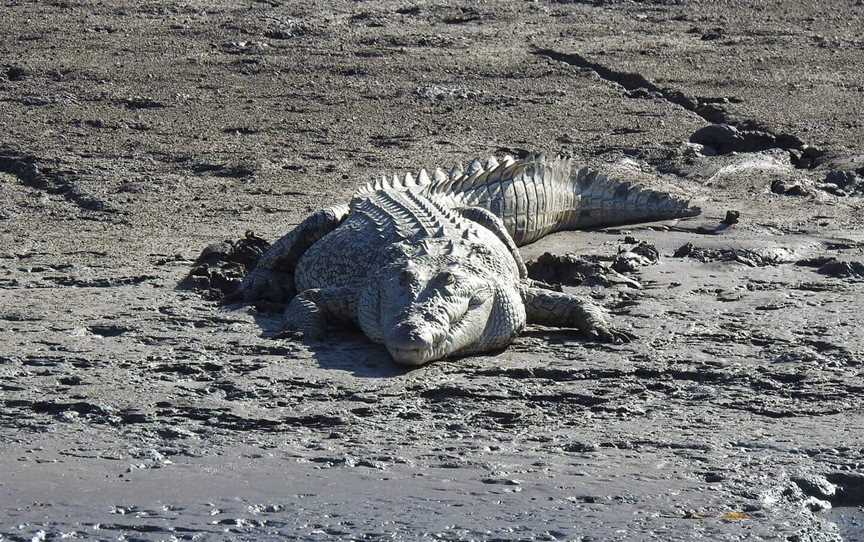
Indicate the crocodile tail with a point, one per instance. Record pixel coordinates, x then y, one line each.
601 200
535 196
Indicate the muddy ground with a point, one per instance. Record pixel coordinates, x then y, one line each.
136 133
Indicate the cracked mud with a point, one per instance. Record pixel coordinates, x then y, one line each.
137 134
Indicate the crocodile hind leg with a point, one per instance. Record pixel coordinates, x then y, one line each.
272 279
491 222
311 310
564 310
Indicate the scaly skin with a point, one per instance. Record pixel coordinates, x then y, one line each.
429 266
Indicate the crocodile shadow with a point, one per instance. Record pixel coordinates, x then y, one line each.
341 350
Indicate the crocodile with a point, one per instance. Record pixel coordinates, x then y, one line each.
428 264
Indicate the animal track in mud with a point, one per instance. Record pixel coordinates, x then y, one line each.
732 134
31 173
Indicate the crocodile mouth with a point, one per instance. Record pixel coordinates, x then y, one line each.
412 356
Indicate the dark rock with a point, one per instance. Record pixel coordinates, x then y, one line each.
713 34
815 486
683 250
140 102
731 218
817 261
791 188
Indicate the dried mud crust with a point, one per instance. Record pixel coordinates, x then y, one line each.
136 134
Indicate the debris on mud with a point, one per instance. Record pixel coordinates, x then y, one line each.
436 92
749 258
51 179
220 267
837 182
17 72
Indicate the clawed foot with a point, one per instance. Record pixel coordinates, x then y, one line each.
609 335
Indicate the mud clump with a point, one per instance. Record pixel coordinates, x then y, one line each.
724 139
832 267
567 269
572 270
629 260
220 268
843 183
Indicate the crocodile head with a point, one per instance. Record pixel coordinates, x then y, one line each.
442 303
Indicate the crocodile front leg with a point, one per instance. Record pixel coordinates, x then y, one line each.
311 310
558 309
272 279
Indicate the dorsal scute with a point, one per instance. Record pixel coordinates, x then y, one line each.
473 167
394 183
439 176
456 171
457 180
423 178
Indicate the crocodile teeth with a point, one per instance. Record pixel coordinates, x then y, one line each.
491 163
408 181
508 160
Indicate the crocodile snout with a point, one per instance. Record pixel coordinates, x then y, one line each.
410 337
410 343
